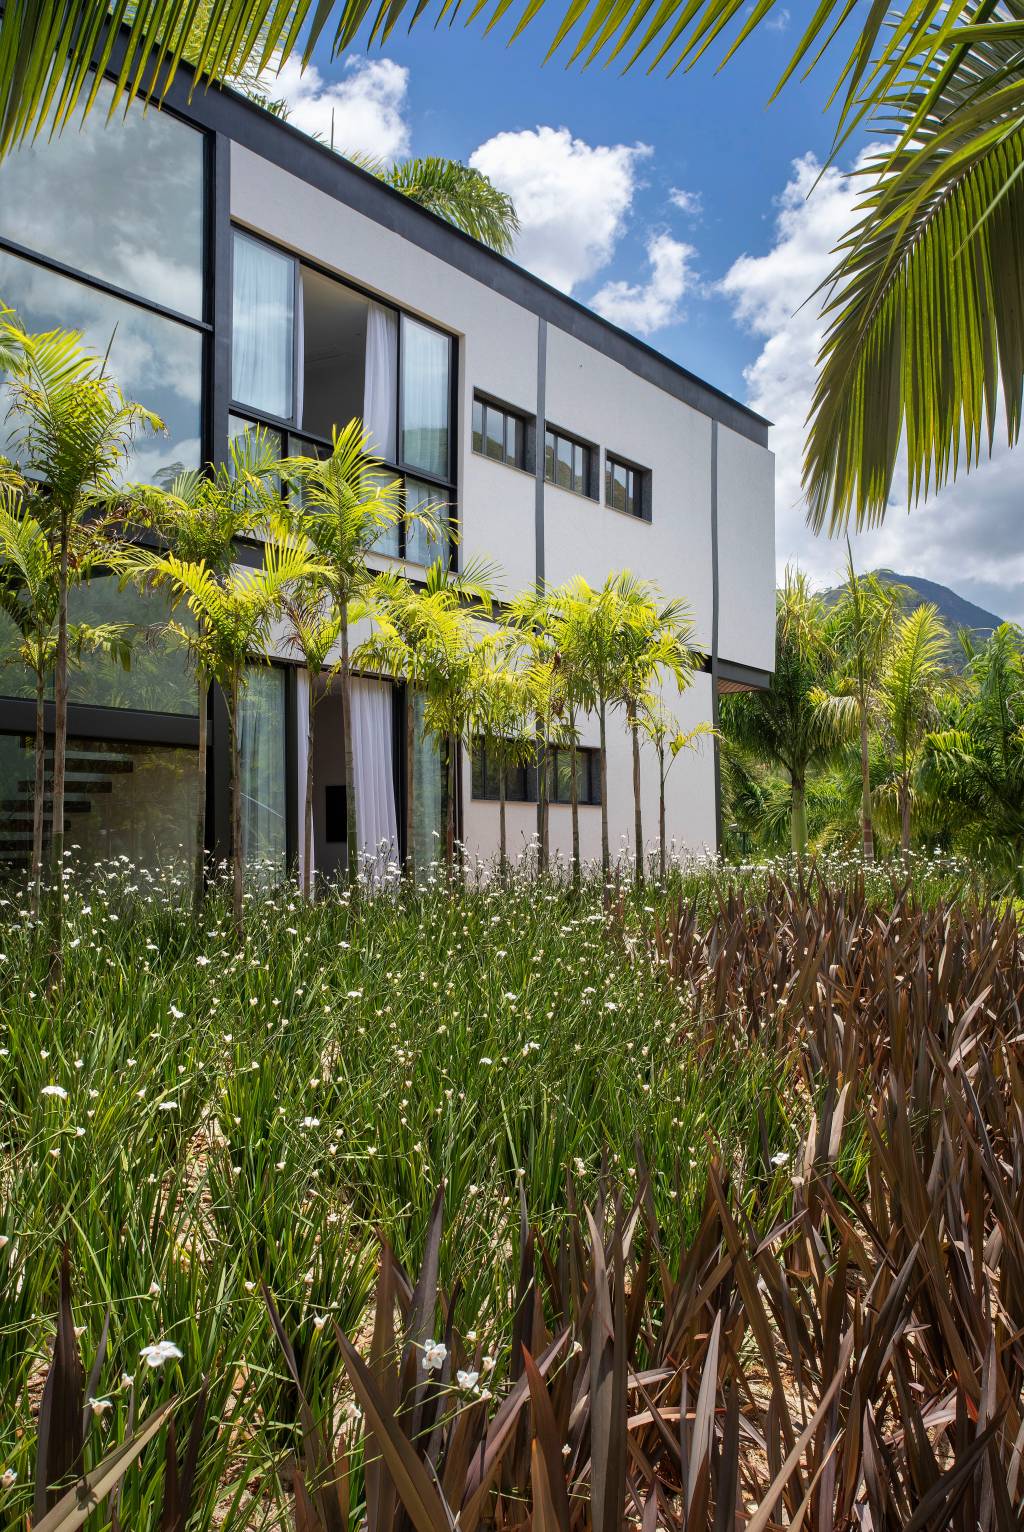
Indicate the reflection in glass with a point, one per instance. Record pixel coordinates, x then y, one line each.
261 736
425 396
420 547
133 800
263 306
428 807
123 201
156 361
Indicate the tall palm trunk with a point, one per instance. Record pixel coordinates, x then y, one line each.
602 723
351 830
502 829
307 816
199 866
543 818
574 804
905 819
867 827
662 836
60 741
39 791
237 849
798 816
410 786
638 821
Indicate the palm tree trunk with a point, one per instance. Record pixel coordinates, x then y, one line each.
237 850
410 786
60 742
39 792
351 829
199 866
867 827
662 837
574 802
798 817
502 830
638 822
307 816
905 821
543 821
603 763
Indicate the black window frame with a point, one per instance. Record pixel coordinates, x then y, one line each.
524 456
292 434
521 781
641 492
554 435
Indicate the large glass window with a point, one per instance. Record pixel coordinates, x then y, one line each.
156 361
420 546
263 306
133 800
569 463
426 356
428 804
499 433
119 199
261 736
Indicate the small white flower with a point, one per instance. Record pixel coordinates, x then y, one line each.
54 1090
202 961
319 1320
8 1478
5 1239
467 1380
127 1379
486 1060
178 1015
100 1407
310 1122
782 1158
167 1106
434 1353
159 1352
154 1289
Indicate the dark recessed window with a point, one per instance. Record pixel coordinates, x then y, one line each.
569 463
500 434
626 488
521 781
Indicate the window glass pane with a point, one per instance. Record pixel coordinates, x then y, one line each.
156 361
263 307
388 539
159 680
123 200
262 766
616 486
579 469
513 430
420 547
128 800
564 468
425 367
428 806
549 456
495 444
478 426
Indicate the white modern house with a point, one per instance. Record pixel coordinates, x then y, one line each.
248 275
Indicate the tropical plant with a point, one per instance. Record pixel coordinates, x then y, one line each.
313 631
29 599
863 623
785 726
200 516
455 192
914 670
505 702
348 503
669 741
71 431
533 623
452 638
232 619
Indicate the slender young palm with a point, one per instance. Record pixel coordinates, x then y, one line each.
505 709
455 192
784 726
232 620
914 670
29 598
669 741
863 624
200 517
533 624
413 624
72 431
347 504
314 629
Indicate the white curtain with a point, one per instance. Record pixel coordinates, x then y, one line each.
261 346
425 372
380 391
302 730
376 819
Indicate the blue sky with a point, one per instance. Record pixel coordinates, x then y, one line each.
687 209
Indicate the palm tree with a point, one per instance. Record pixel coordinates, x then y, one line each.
863 623
347 503
669 741
504 718
534 623
29 598
232 620
72 431
200 517
314 629
412 624
784 726
914 670
453 191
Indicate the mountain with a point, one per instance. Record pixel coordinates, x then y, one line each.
955 611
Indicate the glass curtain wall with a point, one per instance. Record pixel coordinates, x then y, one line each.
428 806
261 731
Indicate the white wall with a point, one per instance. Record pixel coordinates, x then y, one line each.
746 551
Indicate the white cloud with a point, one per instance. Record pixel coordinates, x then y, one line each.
651 305
572 197
968 536
362 112
688 202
